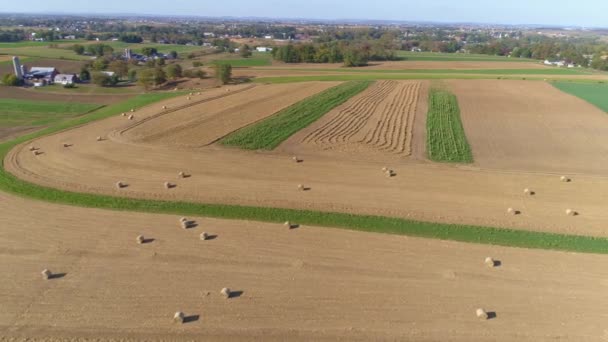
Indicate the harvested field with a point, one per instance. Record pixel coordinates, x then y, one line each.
203 124
380 119
532 126
403 65
290 283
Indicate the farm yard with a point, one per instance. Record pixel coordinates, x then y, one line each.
429 166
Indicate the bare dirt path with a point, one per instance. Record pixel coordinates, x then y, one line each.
302 284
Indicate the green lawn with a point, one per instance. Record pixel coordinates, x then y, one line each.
457 57
446 139
35 113
594 93
269 133
465 233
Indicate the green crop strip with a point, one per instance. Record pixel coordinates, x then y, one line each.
269 133
464 233
446 140
594 93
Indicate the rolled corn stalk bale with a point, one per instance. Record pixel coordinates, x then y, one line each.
178 317
511 211
481 314
168 185
204 236
36 152
225 292
570 212
66 145
300 187
489 262
287 224
120 185
564 179
99 138
131 117
33 148
124 114
181 174
140 239
527 191
46 274
132 110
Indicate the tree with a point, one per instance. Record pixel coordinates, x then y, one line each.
194 73
173 54
85 75
354 57
131 38
245 51
132 75
151 77
223 72
79 49
104 80
149 51
121 68
11 80
99 50
173 71
100 64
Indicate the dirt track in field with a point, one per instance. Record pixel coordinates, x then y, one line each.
532 126
302 284
207 122
379 120
338 182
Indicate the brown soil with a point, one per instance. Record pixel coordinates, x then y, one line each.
33 95
405 65
8 133
299 285
377 120
207 122
532 126
338 182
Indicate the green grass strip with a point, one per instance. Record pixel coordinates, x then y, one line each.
594 93
523 72
446 140
269 133
464 233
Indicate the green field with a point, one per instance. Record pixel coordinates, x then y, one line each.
446 139
38 44
91 89
456 57
35 113
465 233
497 72
118 46
269 133
594 93
44 52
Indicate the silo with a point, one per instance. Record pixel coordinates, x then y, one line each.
17 67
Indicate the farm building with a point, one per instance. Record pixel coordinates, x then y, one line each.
42 75
66 79
263 49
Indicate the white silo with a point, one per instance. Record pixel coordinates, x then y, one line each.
17 67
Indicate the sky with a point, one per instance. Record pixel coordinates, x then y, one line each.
554 12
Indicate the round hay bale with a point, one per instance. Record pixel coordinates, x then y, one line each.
204 236
183 219
46 274
164 107
181 174
35 153
528 191
389 173
131 117
178 317
295 159
481 314
300 187
168 185
185 224
225 292
287 224
140 239
198 93
132 110
564 179
124 114
511 211
489 262
570 212
32 148
188 98
66 145
191 94
99 138
384 169
120 185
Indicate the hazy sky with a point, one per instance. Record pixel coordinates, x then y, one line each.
580 12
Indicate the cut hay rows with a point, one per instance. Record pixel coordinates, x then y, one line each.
446 139
382 118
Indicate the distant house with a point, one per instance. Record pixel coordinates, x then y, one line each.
66 79
267 37
263 49
70 37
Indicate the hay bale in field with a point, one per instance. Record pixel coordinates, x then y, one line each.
46 274
225 292
32 148
167 185
191 94
164 107
178 317
384 169
99 138
188 98
198 93
287 224
295 159
389 173
120 185
140 239
300 187
528 192
512 211
185 224
183 219
204 236
564 179
66 145
571 212
36 152
489 262
124 114
131 117
481 314
132 110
